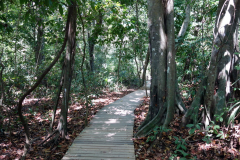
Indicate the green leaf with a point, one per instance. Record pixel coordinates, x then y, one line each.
22 2
184 147
47 2
175 138
26 16
178 146
183 153
192 131
1 6
233 113
4 19
60 9
190 125
221 119
216 127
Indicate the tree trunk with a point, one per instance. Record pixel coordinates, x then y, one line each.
119 62
186 21
218 84
171 67
145 67
2 92
68 68
162 52
21 117
92 39
56 101
38 48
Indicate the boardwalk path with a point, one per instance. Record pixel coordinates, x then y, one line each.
109 134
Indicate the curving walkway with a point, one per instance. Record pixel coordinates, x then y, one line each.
109 134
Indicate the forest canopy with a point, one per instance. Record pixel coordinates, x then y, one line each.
71 51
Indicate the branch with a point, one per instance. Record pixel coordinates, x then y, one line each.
186 20
27 134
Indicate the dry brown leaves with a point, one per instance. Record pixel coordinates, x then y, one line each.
164 146
38 115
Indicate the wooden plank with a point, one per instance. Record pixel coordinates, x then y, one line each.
93 158
109 134
82 146
104 142
101 148
110 151
119 155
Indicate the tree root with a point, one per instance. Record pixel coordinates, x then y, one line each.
178 101
192 112
53 143
27 147
156 121
42 143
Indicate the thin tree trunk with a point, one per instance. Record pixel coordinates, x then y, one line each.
68 68
145 67
119 62
138 69
93 37
1 80
38 48
21 117
57 100
82 71
186 21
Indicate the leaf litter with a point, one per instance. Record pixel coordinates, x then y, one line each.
38 115
177 143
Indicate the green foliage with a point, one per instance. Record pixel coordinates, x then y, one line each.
194 48
233 112
193 127
155 132
181 147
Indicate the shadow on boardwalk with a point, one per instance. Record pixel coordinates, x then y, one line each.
109 134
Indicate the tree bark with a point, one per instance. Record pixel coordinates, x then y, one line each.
186 21
162 52
93 38
145 67
171 67
38 48
21 117
218 81
2 92
68 68
56 101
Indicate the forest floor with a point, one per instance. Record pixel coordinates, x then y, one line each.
223 143
159 144
38 113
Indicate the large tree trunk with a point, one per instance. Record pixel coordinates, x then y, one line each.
218 83
171 67
68 68
162 52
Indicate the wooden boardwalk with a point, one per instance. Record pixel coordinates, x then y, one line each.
109 134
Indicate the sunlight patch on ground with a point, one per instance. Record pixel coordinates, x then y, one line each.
110 134
75 107
29 100
99 100
123 112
